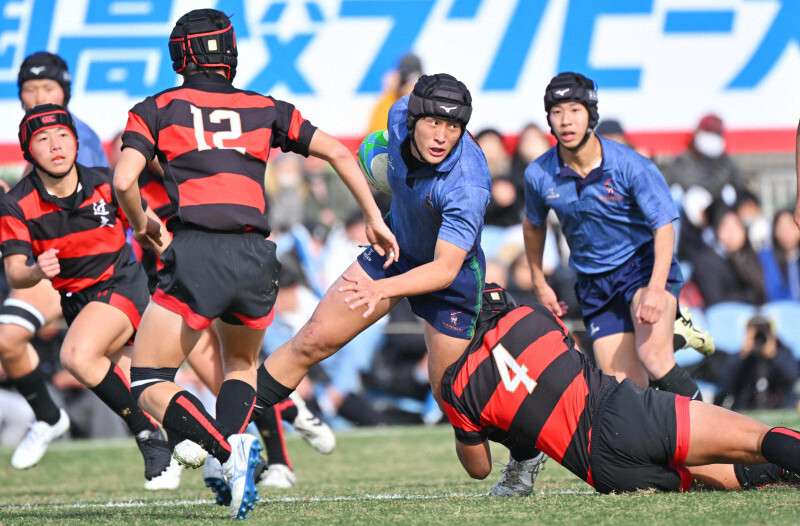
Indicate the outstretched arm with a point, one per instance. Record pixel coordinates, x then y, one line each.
339 157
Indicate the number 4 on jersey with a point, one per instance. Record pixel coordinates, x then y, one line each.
506 364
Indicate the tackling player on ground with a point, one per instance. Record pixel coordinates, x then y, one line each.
522 380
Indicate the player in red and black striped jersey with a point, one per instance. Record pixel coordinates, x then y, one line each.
213 141
66 217
522 381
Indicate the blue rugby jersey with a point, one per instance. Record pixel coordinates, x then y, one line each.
613 213
446 201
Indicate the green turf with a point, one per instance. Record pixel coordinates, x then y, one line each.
406 475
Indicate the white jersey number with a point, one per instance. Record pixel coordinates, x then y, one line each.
507 365
217 116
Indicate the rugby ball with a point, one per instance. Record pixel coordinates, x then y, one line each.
373 157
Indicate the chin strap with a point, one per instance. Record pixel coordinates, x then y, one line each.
580 145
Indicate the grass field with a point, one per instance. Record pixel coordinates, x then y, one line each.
405 475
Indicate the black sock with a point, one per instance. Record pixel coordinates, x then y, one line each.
754 477
234 405
34 388
269 391
358 410
781 446
270 428
678 381
288 410
114 391
186 416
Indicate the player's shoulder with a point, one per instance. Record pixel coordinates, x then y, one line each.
623 157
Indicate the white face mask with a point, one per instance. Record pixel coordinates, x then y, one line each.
710 144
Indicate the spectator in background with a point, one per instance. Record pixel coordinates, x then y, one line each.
612 129
758 227
728 269
507 203
780 260
762 374
328 200
797 169
532 143
705 163
397 83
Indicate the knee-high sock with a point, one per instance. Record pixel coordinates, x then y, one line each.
115 392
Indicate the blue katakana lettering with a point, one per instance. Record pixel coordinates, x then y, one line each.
408 16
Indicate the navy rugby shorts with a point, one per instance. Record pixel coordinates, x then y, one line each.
605 298
452 311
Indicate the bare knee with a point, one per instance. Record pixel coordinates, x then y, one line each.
312 344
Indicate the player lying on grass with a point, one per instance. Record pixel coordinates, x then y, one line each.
522 380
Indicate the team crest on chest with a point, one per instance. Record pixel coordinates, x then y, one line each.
101 211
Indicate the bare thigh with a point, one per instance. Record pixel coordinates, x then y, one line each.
722 436
332 325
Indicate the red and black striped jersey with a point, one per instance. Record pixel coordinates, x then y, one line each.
213 142
522 379
88 228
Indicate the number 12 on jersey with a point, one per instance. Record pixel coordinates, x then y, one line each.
507 365
217 116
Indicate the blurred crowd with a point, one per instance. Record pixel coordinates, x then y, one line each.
735 261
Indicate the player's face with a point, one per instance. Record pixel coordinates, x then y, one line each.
570 121
41 91
55 150
435 139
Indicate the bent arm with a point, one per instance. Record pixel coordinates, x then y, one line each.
339 157
344 163
436 275
126 186
20 275
477 459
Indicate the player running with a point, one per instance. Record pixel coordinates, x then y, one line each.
43 79
440 189
213 140
65 216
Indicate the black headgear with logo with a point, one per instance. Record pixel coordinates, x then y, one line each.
573 87
440 95
205 37
44 65
40 118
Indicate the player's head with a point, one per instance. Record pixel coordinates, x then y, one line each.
48 139
203 38
439 109
565 90
43 79
495 302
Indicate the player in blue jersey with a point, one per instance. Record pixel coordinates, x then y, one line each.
616 213
440 189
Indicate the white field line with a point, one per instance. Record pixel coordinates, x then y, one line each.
205 502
